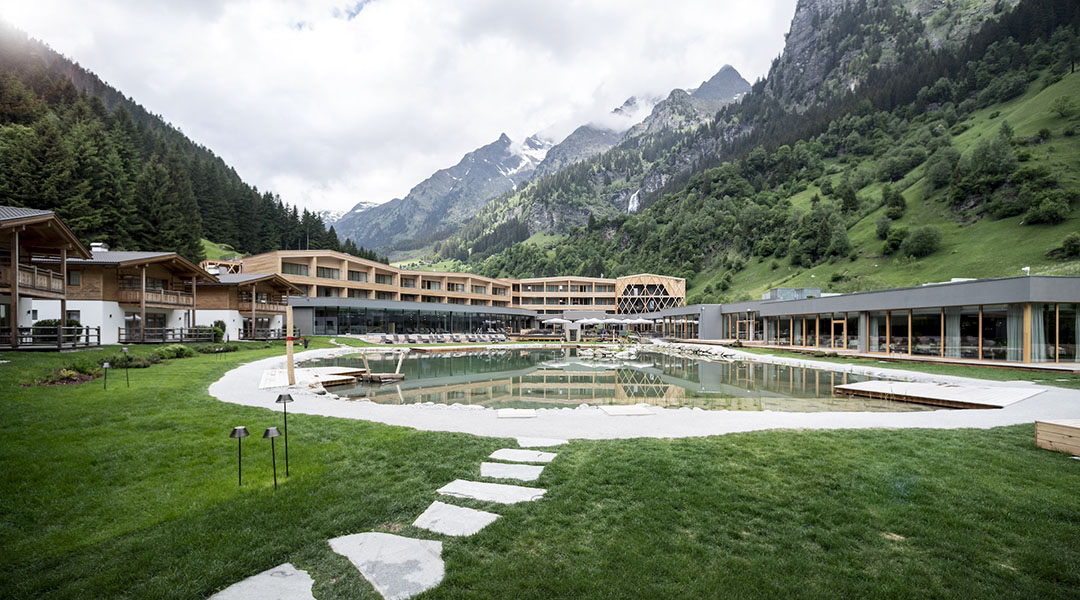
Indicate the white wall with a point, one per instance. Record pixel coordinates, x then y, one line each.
232 318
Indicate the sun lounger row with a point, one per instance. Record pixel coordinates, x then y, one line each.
444 339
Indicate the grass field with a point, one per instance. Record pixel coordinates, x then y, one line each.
218 251
132 493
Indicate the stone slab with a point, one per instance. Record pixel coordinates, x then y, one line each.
620 410
283 582
397 567
534 442
500 493
505 471
454 520
514 455
516 413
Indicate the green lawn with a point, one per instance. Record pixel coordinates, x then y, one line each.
132 493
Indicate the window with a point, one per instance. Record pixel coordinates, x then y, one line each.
33 314
358 294
408 282
604 288
73 315
498 291
383 279
385 296
455 287
581 289
431 285
326 292
74 278
479 289
556 288
360 276
327 273
294 269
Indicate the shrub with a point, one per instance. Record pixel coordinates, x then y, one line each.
1044 133
1063 106
883 226
214 348
1071 244
921 242
122 361
173 351
1049 207
895 238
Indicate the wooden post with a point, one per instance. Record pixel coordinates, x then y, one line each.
288 335
142 304
367 369
909 332
1027 333
980 332
14 289
194 299
288 341
63 276
401 357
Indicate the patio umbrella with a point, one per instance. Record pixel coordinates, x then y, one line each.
613 321
556 321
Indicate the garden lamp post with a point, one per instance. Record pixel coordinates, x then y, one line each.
105 367
284 400
127 363
272 432
239 433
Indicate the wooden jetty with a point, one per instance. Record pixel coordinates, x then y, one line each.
370 377
937 394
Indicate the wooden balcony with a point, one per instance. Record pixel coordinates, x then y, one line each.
277 308
34 279
158 298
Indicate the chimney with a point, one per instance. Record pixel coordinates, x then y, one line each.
99 247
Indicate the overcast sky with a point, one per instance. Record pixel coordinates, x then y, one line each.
330 103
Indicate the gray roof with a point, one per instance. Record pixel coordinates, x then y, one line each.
241 277
117 257
8 213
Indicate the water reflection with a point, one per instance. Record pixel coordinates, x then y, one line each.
552 378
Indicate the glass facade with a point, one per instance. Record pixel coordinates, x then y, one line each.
340 320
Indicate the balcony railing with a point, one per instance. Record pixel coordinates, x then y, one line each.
34 278
162 335
57 337
263 307
160 297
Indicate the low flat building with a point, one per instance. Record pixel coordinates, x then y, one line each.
1033 320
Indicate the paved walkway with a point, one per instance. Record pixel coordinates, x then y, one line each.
240 386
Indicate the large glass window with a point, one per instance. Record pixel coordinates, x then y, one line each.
898 332
1068 332
384 279
797 332
962 332
1043 332
327 273
294 269
360 276
878 332
811 330
926 331
853 331
1003 332
783 326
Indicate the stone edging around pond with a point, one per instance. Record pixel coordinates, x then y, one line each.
240 386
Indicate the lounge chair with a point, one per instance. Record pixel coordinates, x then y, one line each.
386 340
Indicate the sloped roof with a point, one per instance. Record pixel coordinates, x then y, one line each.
100 257
14 212
241 278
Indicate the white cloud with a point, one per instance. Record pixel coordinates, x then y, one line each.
333 102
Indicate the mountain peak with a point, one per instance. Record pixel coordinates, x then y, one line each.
725 85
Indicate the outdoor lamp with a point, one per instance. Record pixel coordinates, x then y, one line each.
284 400
272 432
239 433
127 364
105 366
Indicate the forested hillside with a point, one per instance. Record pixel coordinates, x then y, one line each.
117 173
963 164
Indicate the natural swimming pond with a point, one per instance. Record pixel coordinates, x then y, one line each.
555 378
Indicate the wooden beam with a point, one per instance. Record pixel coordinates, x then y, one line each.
14 289
142 303
1027 333
63 276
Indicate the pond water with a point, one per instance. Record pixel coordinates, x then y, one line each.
554 378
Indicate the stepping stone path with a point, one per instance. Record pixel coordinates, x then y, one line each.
448 519
505 471
400 567
533 456
283 582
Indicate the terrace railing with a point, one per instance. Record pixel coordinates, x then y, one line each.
166 335
60 338
262 307
34 278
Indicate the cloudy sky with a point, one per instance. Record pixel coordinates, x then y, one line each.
333 102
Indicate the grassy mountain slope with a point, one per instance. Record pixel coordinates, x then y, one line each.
986 247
